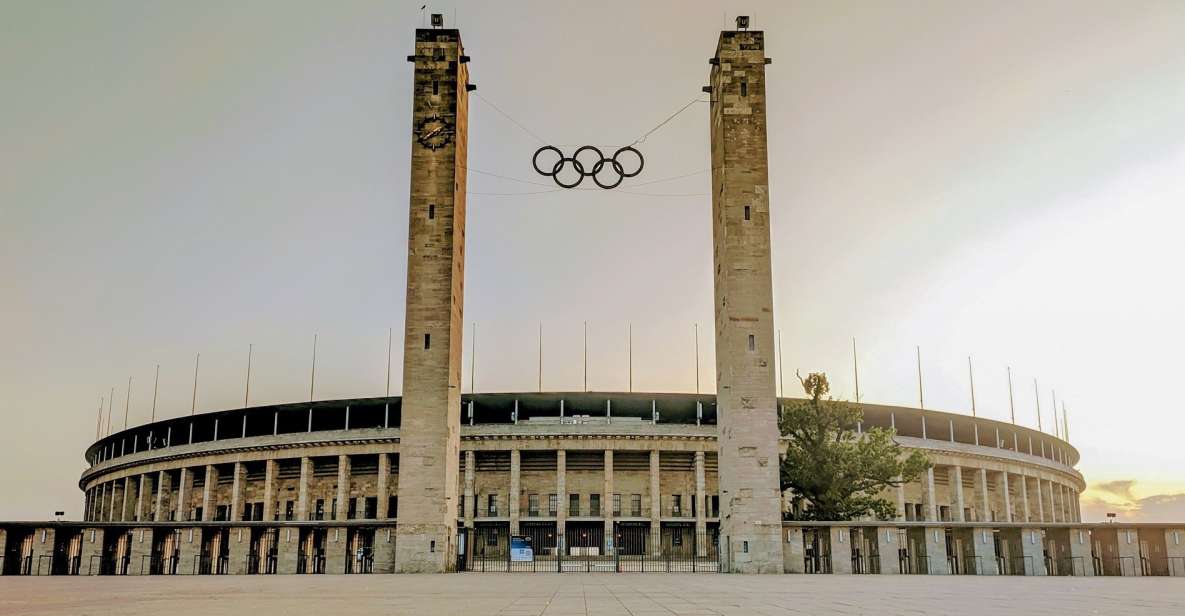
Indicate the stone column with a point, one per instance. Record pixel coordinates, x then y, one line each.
130 487
270 468
984 549
793 555
936 550
236 492
1007 496
111 508
561 490
383 488
900 499
208 497
343 488
607 501
1033 551
188 549
184 486
162 488
240 546
958 481
513 497
144 490
470 485
1024 493
841 550
288 550
931 505
985 505
701 523
887 544
1040 501
655 500
302 495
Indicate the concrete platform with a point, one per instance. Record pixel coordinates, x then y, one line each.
476 594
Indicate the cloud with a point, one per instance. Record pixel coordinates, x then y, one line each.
1119 497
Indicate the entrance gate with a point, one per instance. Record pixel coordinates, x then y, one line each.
631 548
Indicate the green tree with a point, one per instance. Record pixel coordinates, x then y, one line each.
834 471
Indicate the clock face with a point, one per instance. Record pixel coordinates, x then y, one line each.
434 132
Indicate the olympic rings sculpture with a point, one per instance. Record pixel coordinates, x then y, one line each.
588 167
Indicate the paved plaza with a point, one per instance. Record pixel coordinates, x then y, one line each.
473 594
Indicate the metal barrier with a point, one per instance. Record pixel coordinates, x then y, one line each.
1071 565
968 566
922 565
1172 566
42 557
1116 566
631 549
317 564
1021 565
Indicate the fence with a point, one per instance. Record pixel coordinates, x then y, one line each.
629 549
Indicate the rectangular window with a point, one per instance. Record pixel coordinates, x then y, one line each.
636 505
432 211
333 509
748 214
392 507
752 342
594 504
320 510
574 504
533 505
436 87
492 505
616 504
372 507
677 505
552 504
744 88
715 506
289 510
197 513
351 509
428 341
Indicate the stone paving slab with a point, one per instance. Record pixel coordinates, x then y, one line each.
475 594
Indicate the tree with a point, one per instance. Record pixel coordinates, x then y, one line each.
834 471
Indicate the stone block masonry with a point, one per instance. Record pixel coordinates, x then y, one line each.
747 404
431 426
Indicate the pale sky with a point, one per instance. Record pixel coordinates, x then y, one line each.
995 179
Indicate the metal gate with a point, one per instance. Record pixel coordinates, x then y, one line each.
630 548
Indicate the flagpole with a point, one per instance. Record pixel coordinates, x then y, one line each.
921 399
155 387
540 356
110 398
697 358
855 367
1056 430
971 377
631 349
247 393
313 372
473 361
1011 406
586 356
127 404
193 404
1037 396
390 334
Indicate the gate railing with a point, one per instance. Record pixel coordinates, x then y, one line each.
488 549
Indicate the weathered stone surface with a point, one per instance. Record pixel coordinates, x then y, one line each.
746 398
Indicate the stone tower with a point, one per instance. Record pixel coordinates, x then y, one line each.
431 417
750 511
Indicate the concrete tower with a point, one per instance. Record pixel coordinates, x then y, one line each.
750 524
430 428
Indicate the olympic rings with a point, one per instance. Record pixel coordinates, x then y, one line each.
587 168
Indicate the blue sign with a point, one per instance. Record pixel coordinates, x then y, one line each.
521 550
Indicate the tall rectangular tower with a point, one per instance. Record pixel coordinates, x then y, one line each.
430 428
750 524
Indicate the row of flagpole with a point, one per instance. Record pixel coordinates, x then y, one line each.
1061 427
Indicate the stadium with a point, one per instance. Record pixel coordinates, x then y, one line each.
437 481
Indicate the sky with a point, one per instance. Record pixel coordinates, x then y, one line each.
1000 181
